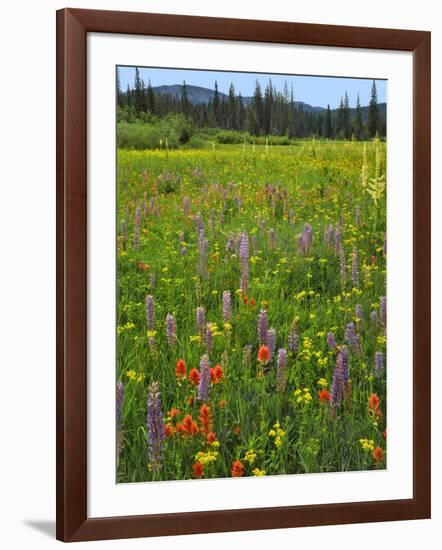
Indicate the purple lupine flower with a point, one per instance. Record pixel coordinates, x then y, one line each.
300 245
136 240
355 268
351 337
378 363
227 306
272 237
203 250
209 338
343 359
221 218
200 318
281 364
292 218
244 261
204 385
254 244
270 341
138 215
230 244
170 329
293 338
338 383
342 262
120 400
331 341
212 218
331 236
358 312
308 238
186 206
374 319
358 215
150 319
338 240
155 426
262 327
383 311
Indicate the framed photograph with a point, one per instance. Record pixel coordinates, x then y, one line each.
243 274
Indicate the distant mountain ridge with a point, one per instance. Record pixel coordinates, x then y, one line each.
199 95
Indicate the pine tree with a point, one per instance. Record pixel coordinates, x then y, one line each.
150 98
373 114
257 107
340 120
232 118
185 105
216 106
118 86
346 127
138 93
358 126
327 131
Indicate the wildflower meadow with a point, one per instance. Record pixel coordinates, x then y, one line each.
251 309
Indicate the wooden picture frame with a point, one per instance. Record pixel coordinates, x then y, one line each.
73 523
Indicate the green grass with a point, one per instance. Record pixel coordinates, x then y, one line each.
321 182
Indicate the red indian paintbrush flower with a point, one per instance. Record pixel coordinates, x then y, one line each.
324 396
194 377
378 455
188 426
237 469
216 374
211 437
198 470
180 369
373 405
205 418
264 355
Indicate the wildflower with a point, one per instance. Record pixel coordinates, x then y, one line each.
355 268
271 238
200 318
252 302
358 313
211 438
378 455
378 363
281 364
367 445
244 261
270 340
237 430
174 412
188 426
205 418
342 261
180 369
204 383
340 377
222 403
207 457
250 456
352 339
237 468
169 430
170 329
194 377
197 470
155 426
293 339
373 405
227 306
216 374
303 397
300 245
278 434
258 473
150 312
209 337
383 311
262 327
324 396
264 355
308 238
322 383
374 319
331 341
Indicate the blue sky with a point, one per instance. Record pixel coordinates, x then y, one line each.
315 90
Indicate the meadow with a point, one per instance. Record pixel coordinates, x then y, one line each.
251 313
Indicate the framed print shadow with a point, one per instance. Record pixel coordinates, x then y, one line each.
234 350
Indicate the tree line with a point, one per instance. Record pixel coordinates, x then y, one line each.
269 112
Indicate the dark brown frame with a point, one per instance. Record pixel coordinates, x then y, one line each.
73 523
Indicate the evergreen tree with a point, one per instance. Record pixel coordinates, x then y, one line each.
340 121
327 131
258 110
242 114
233 119
118 86
358 126
185 105
150 98
216 106
138 93
346 127
373 114
128 96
